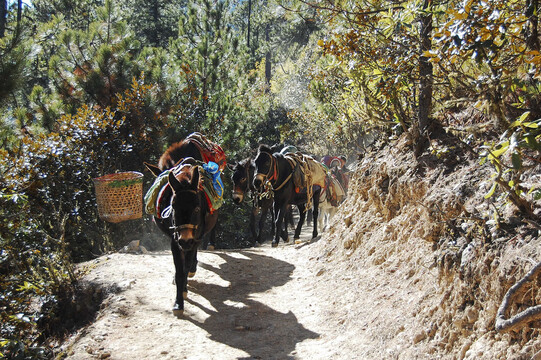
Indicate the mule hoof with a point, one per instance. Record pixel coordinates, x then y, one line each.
185 295
178 313
210 247
177 310
191 274
274 244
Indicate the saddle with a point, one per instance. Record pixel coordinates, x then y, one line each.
211 152
302 175
301 170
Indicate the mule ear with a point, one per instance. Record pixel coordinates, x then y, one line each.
173 182
153 169
195 178
232 166
265 148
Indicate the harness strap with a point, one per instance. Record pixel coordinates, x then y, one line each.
185 226
274 169
282 185
288 178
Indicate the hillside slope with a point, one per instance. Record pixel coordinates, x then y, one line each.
423 266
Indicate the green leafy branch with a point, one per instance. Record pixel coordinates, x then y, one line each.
518 150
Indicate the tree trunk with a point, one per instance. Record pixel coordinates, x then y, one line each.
532 39
249 17
19 12
419 130
425 70
3 17
268 58
155 13
521 319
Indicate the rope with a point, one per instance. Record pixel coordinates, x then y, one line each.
302 161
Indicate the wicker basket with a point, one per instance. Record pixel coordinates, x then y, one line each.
120 196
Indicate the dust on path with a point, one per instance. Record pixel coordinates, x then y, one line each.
261 303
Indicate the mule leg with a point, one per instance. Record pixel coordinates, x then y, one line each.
290 216
180 278
273 217
279 210
302 216
262 220
191 263
253 214
212 239
323 218
315 202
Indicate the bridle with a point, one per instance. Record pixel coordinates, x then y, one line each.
273 168
176 229
275 175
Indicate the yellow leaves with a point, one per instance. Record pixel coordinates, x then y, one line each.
468 6
458 15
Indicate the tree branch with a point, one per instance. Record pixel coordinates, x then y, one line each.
530 314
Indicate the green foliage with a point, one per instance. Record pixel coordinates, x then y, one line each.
209 74
91 66
518 151
154 22
34 270
77 13
376 62
12 62
485 51
48 210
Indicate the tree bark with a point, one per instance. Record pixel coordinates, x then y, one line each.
419 129
249 18
19 12
524 317
155 13
532 39
3 17
425 70
268 57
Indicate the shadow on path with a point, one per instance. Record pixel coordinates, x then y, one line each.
239 321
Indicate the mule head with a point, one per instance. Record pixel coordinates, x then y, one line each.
186 207
243 172
263 166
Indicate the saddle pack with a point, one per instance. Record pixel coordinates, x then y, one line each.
300 170
210 151
158 197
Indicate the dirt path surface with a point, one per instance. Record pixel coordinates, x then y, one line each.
259 303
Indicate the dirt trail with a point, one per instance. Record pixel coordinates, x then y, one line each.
258 303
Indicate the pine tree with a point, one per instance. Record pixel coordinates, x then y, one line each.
91 67
210 62
154 22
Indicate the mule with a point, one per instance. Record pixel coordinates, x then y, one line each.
187 216
242 178
329 201
278 170
340 173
